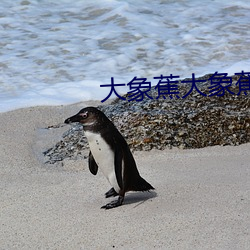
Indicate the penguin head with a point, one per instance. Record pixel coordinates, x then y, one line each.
88 117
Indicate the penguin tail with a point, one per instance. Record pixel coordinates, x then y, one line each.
141 185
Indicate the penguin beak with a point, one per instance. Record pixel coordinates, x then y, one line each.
74 118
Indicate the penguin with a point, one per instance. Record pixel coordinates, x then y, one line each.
110 152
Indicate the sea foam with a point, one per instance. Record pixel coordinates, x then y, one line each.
60 52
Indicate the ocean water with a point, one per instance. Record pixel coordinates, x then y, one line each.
60 52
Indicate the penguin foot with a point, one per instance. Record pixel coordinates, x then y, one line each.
111 193
113 204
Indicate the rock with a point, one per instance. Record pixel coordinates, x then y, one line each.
193 122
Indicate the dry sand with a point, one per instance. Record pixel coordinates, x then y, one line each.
201 201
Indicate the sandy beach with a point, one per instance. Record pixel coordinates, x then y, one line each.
201 198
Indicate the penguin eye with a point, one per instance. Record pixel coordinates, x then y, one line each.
84 115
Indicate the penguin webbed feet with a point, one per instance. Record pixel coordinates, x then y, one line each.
111 193
115 203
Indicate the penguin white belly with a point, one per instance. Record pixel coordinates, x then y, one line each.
104 157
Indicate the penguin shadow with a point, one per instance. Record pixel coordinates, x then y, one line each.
138 198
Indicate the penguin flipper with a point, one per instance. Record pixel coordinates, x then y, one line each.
93 167
118 166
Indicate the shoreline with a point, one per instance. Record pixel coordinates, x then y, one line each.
201 197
